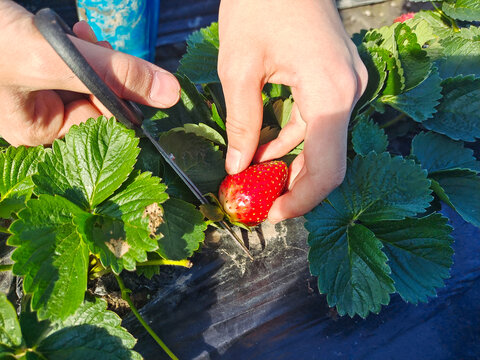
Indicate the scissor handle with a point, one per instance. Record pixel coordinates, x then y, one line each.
55 31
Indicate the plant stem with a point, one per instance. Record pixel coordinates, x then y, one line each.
184 263
6 267
5 230
393 121
125 296
447 18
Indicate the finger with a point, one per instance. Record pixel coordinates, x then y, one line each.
323 169
100 107
77 112
129 77
244 105
289 137
84 31
105 44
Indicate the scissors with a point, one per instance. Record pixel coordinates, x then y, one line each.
56 32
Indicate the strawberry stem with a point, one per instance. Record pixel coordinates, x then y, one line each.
185 263
393 121
6 267
125 296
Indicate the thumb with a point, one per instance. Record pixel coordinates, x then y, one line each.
130 77
243 99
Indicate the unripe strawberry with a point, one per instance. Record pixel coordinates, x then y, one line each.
247 197
404 17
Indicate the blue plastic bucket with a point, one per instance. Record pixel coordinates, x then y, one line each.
129 25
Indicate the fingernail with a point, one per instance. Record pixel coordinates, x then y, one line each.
89 31
165 89
105 44
233 161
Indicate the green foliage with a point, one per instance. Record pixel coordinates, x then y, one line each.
457 115
51 255
367 136
365 244
200 61
413 244
84 167
468 10
191 109
420 102
194 154
461 51
91 332
89 202
438 153
16 187
454 172
182 230
10 332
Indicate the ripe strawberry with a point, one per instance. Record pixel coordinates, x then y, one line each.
248 196
404 17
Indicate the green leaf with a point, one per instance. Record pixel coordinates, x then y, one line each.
193 155
414 61
345 253
377 74
468 10
461 52
33 330
150 160
124 228
462 188
183 230
367 136
380 187
3 144
420 102
17 165
458 113
84 168
430 27
10 332
92 332
437 153
407 63
395 81
191 109
348 261
200 61
51 255
204 131
275 91
419 252
217 118
149 270
283 110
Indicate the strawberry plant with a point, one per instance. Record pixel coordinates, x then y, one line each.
102 201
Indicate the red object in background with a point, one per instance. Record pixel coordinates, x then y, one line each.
404 17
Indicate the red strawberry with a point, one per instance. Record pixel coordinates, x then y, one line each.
404 17
248 196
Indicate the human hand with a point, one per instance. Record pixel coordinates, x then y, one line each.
41 98
303 45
